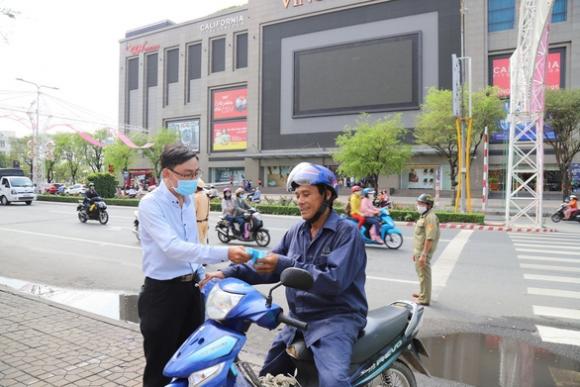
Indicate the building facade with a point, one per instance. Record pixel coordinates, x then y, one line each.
257 89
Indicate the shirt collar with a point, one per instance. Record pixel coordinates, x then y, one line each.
330 224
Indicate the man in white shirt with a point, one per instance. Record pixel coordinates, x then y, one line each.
170 305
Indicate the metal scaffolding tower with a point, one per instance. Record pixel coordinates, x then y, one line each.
525 177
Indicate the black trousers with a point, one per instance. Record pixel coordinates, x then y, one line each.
169 312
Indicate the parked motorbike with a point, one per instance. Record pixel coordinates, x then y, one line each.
96 210
253 229
383 355
136 225
559 215
254 196
390 233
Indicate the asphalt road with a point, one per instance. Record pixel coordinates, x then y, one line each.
522 288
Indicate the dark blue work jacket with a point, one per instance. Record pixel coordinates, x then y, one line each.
337 260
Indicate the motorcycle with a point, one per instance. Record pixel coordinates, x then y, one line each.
559 215
390 233
136 225
383 354
96 210
253 229
254 197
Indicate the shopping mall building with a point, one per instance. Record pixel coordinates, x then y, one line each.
259 88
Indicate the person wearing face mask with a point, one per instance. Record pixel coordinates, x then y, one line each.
425 239
170 304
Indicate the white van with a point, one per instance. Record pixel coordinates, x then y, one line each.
16 189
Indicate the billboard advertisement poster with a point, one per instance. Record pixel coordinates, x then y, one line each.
422 177
228 136
229 103
500 73
502 132
188 132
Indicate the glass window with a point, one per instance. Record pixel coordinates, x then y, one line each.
218 55
241 51
151 64
133 73
501 15
194 61
559 11
172 63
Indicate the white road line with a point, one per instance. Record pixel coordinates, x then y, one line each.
549 259
547 242
73 214
54 236
544 246
577 254
559 336
550 267
552 278
549 311
392 280
545 237
444 266
554 293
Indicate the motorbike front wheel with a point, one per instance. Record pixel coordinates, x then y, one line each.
262 238
223 237
557 217
83 216
393 241
399 375
103 217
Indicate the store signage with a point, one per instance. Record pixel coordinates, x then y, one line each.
222 24
188 131
297 3
137 49
229 136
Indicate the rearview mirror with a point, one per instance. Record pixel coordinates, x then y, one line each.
296 278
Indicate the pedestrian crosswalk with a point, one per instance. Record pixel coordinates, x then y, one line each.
550 264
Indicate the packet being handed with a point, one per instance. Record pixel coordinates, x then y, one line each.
256 254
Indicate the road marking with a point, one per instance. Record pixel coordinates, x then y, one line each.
554 293
549 311
552 278
545 237
544 246
392 280
550 267
444 266
559 336
74 214
549 259
54 236
547 242
548 252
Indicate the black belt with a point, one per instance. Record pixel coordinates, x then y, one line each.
201 221
183 278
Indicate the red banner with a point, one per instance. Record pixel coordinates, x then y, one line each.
501 73
229 136
231 103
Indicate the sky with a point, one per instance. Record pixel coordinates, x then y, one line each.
74 45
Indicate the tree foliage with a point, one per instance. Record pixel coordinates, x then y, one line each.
105 184
163 138
94 154
70 146
370 149
119 155
563 114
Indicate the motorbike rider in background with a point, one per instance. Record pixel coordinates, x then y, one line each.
229 208
572 207
90 195
370 212
240 207
354 204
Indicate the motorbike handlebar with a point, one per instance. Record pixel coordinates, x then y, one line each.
282 318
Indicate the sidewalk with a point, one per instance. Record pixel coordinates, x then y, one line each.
48 344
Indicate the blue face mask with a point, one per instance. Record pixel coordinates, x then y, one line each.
186 187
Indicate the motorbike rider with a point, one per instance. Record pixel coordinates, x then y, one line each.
90 195
354 202
370 212
240 207
228 208
332 250
572 207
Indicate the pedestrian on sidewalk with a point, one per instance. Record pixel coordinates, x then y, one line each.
170 304
202 206
425 239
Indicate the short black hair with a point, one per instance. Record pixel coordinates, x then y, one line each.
176 154
322 189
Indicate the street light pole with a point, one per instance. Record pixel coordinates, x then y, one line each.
36 164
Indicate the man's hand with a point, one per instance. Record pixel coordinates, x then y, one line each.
238 254
422 260
210 276
267 264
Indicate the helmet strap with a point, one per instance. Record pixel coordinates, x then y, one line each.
321 210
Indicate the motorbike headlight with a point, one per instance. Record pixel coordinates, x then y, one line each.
219 303
199 377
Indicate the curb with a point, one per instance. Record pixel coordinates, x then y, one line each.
481 227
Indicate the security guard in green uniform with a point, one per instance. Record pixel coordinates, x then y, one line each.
425 241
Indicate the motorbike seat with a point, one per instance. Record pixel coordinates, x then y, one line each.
383 326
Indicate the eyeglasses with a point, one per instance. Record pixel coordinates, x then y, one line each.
188 176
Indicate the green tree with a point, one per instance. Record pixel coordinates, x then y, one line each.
70 147
105 184
163 138
372 148
563 114
119 155
21 152
94 155
5 160
436 123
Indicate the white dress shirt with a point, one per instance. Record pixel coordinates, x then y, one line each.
169 237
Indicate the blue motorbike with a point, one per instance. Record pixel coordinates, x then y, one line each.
390 233
383 355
